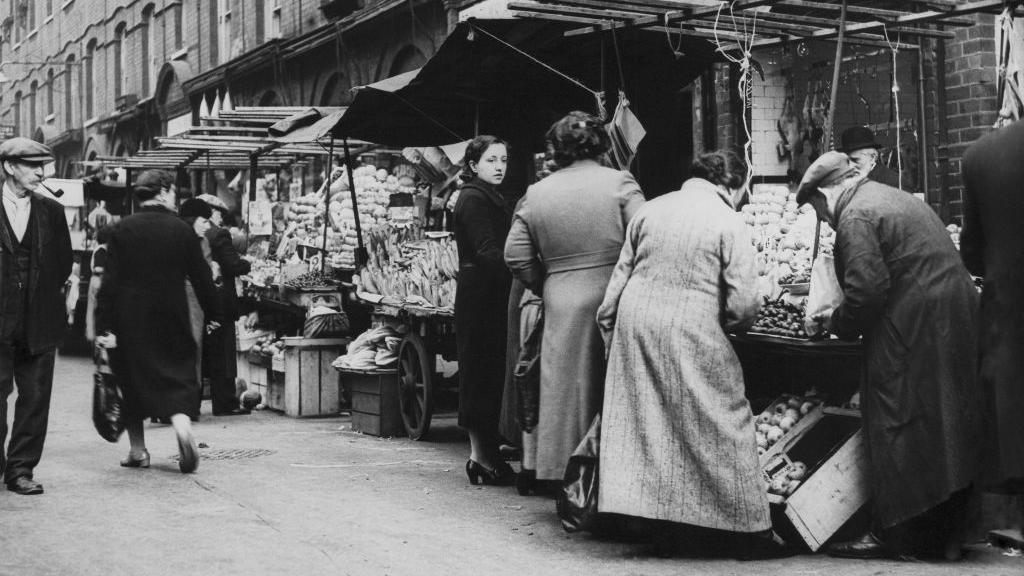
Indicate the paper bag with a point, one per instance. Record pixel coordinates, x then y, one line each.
825 294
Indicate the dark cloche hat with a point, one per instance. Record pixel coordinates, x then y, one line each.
22 149
857 138
195 208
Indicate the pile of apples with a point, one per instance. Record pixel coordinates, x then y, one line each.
787 481
267 346
779 418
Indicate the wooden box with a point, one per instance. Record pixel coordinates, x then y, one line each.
835 486
311 386
375 407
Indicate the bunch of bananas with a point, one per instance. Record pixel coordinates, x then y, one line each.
428 272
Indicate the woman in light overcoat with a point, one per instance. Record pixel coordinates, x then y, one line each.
564 242
677 441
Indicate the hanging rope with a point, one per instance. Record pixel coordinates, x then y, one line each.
598 97
744 41
894 47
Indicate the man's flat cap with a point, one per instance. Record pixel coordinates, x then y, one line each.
829 168
214 202
21 149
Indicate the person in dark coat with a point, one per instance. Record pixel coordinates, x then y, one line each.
219 345
482 220
35 261
908 295
992 246
143 317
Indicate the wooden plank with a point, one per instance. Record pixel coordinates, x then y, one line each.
367 403
560 18
330 383
832 494
292 369
366 423
307 389
852 9
728 23
573 11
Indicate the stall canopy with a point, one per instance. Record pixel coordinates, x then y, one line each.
513 78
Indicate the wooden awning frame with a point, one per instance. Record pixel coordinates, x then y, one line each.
804 20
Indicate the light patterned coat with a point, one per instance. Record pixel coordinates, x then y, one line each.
677 441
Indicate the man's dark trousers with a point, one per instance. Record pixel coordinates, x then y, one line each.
33 375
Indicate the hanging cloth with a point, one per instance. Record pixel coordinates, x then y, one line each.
625 130
626 133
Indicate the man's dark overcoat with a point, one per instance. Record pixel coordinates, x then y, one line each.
910 297
992 246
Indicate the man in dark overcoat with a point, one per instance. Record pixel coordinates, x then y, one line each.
858 142
35 261
219 345
908 295
992 246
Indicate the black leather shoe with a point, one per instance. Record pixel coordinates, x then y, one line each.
235 412
25 486
868 547
501 475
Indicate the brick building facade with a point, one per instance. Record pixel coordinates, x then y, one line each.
105 77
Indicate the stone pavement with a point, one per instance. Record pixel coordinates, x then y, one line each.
315 498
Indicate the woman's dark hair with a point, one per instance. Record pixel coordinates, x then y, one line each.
103 235
578 136
152 182
721 167
475 150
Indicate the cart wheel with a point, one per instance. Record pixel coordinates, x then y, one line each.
415 386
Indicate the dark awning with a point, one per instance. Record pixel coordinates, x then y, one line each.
478 83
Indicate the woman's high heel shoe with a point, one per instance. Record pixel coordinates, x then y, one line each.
133 462
501 475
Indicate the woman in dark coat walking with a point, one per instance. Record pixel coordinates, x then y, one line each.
482 220
143 316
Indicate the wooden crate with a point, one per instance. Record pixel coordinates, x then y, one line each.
375 408
311 386
836 485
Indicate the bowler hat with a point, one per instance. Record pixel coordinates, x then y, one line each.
22 149
194 208
857 138
829 168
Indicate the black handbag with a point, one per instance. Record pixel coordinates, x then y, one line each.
526 377
577 500
107 402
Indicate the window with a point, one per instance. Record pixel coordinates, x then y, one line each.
49 7
49 92
30 5
224 30
148 67
18 11
261 23
119 64
178 32
17 113
32 105
69 110
90 74
274 26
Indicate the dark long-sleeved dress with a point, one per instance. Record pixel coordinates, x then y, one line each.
910 297
482 220
143 303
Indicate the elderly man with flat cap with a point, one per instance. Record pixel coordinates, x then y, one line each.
35 261
907 294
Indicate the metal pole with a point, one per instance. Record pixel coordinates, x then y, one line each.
327 205
129 197
362 257
835 78
253 167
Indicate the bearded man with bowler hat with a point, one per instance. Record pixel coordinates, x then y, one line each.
859 144
908 295
35 261
219 345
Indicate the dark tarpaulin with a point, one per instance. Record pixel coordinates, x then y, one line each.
475 84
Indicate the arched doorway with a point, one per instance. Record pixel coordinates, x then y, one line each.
172 103
336 91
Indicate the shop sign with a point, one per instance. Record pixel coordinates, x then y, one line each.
261 218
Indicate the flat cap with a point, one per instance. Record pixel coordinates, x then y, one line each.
25 150
829 168
194 208
213 202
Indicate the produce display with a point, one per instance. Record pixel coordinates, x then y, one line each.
788 480
780 318
377 348
419 272
779 418
783 234
954 234
312 281
268 345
